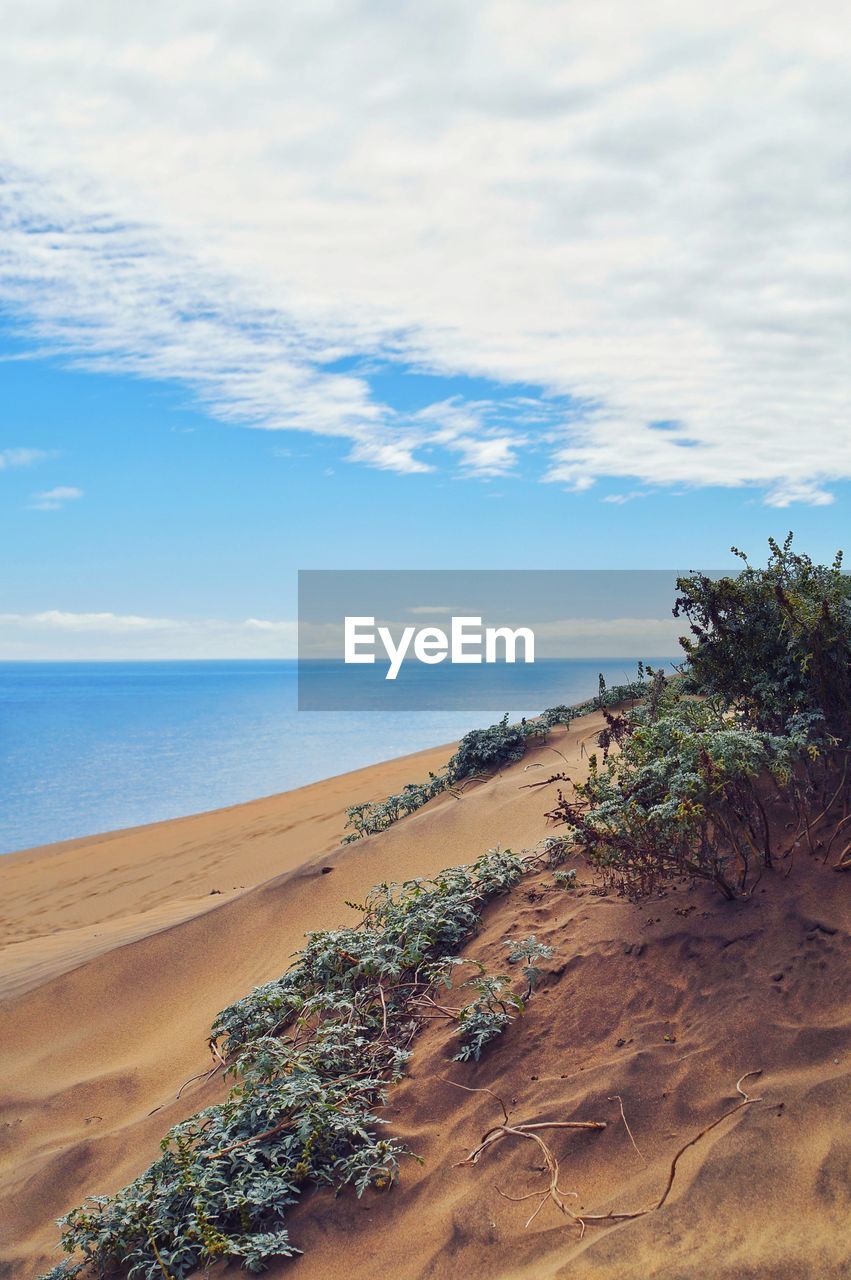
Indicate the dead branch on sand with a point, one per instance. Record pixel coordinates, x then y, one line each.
616 1097
552 1192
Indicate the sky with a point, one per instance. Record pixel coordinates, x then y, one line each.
338 284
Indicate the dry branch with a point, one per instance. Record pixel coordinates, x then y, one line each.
553 1192
616 1097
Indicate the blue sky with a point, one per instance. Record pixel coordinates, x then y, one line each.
360 286
183 517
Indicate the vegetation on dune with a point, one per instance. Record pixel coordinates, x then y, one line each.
681 797
695 778
482 752
694 784
312 1056
774 643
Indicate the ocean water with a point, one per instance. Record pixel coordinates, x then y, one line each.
87 747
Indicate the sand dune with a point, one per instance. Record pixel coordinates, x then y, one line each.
64 903
119 955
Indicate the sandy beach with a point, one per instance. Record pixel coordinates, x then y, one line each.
118 951
384 375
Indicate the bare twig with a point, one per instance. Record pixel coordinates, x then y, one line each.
202 1075
255 1137
383 1010
469 1089
844 863
616 1097
545 782
827 808
216 1052
551 1166
836 832
747 1101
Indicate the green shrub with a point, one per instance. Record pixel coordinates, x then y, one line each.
486 1017
485 751
683 783
312 1056
565 879
526 951
374 816
680 798
774 643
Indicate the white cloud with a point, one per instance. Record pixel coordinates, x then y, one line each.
608 637
21 457
53 499
621 499
790 491
580 637
62 635
639 205
96 623
432 610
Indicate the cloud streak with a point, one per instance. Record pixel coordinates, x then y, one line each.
641 211
56 498
10 458
61 635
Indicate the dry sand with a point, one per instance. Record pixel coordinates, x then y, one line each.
117 954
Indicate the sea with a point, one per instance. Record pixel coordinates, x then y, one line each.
88 747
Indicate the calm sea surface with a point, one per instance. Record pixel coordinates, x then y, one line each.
90 746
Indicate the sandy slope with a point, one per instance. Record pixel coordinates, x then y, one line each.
120 959
66 902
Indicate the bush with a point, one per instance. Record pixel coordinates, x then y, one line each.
680 798
374 816
312 1055
487 1016
774 643
526 951
682 786
565 879
485 751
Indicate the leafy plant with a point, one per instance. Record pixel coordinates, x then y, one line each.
312 1056
487 1016
774 643
679 798
485 751
370 818
526 951
684 783
565 879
